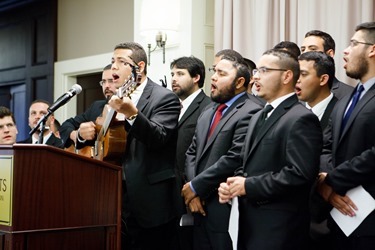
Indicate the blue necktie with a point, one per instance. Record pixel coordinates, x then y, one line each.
355 100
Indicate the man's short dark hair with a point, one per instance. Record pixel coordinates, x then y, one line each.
328 42
290 46
4 111
138 55
230 52
323 64
369 31
193 65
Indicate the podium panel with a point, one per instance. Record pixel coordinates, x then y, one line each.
59 200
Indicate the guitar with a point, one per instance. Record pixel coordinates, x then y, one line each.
110 142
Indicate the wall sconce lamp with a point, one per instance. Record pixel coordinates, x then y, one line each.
161 39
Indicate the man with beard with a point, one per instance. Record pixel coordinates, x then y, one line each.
80 130
37 110
218 138
278 163
188 74
250 65
149 169
349 147
8 129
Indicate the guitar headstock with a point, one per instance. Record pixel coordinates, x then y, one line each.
134 80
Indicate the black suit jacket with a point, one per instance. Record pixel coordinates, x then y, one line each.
52 141
71 124
351 153
186 129
280 165
340 89
327 113
210 161
149 162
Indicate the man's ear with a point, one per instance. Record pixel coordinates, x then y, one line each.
372 51
240 82
330 52
141 66
324 79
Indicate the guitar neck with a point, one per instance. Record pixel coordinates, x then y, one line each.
110 116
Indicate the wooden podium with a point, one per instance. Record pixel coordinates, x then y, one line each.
57 200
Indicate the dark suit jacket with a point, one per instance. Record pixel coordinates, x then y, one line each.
327 113
149 162
186 129
258 100
352 152
340 89
52 141
71 124
217 156
280 165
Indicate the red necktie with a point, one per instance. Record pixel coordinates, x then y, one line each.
218 115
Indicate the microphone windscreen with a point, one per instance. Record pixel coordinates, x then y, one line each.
77 88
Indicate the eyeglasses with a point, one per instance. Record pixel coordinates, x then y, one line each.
110 81
263 70
354 43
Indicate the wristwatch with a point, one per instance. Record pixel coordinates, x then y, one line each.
131 118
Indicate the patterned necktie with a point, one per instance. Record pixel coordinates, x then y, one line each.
218 115
355 100
261 120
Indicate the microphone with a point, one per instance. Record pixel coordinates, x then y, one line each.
75 90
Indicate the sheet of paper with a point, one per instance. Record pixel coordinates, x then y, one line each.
365 204
233 222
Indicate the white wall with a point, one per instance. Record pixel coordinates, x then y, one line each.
88 30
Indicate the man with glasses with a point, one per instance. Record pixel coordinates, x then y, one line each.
316 40
8 129
349 147
80 130
277 165
150 192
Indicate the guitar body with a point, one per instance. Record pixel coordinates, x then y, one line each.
110 143
85 151
111 146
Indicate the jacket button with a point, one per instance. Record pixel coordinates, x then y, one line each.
244 174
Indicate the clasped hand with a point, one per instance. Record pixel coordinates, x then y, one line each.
192 201
235 186
342 203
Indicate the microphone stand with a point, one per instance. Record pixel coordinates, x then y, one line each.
41 125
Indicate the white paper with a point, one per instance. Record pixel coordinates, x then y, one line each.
233 222
365 204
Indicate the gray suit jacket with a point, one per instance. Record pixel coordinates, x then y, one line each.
210 161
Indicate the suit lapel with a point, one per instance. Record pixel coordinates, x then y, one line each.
228 114
204 126
145 97
327 113
361 103
192 108
284 107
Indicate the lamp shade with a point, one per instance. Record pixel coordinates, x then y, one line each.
161 15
